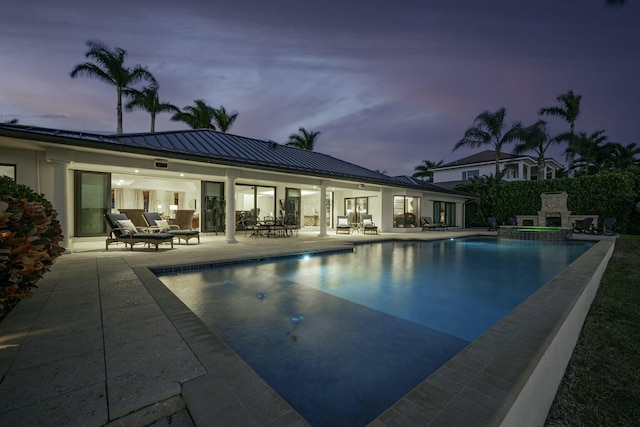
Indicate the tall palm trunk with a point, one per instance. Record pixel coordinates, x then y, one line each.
542 173
119 110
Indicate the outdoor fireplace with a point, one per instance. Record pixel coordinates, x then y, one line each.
554 211
554 221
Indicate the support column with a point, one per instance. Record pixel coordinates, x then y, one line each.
61 200
230 197
520 171
323 210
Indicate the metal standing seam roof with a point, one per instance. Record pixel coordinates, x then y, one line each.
211 146
486 156
489 156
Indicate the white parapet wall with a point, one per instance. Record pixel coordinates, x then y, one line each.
510 374
534 400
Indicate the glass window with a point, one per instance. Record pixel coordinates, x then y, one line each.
8 170
406 211
468 174
252 203
290 209
444 213
214 207
93 199
355 207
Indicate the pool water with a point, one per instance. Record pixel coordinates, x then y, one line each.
343 336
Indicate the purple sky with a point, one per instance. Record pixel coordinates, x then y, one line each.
388 84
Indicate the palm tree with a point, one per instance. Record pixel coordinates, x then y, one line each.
198 116
108 66
147 100
569 110
223 119
536 138
484 187
303 139
424 170
488 129
623 157
590 150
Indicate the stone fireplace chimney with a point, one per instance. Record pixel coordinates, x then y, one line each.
554 210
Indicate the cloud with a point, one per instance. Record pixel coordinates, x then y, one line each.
402 82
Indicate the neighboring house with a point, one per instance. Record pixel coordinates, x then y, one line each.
515 167
222 177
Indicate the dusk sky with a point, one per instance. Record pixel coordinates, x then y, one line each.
388 84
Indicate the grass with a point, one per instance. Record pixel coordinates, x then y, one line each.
601 386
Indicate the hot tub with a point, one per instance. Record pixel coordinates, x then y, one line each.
535 233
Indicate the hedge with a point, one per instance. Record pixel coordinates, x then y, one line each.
606 194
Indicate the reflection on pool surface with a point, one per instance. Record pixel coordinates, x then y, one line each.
343 336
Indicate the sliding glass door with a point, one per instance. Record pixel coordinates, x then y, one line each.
92 201
444 213
213 207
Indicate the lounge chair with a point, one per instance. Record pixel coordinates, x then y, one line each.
428 224
607 227
512 220
343 225
122 230
409 220
493 224
135 215
184 219
154 220
368 225
585 227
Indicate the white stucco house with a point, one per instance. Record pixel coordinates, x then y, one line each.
515 166
220 176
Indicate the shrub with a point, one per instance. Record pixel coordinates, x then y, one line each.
29 241
606 194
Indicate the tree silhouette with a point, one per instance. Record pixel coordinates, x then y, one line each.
425 169
303 139
223 119
147 100
108 66
197 116
569 110
489 129
536 138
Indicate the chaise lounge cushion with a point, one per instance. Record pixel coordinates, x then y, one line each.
368 226
126 226
163 225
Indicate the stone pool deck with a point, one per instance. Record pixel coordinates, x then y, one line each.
103 342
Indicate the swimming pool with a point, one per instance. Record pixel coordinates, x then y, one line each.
342 337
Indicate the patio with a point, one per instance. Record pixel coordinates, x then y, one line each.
102 341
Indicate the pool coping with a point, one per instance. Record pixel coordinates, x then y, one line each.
508 376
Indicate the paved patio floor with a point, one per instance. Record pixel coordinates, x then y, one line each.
103 342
